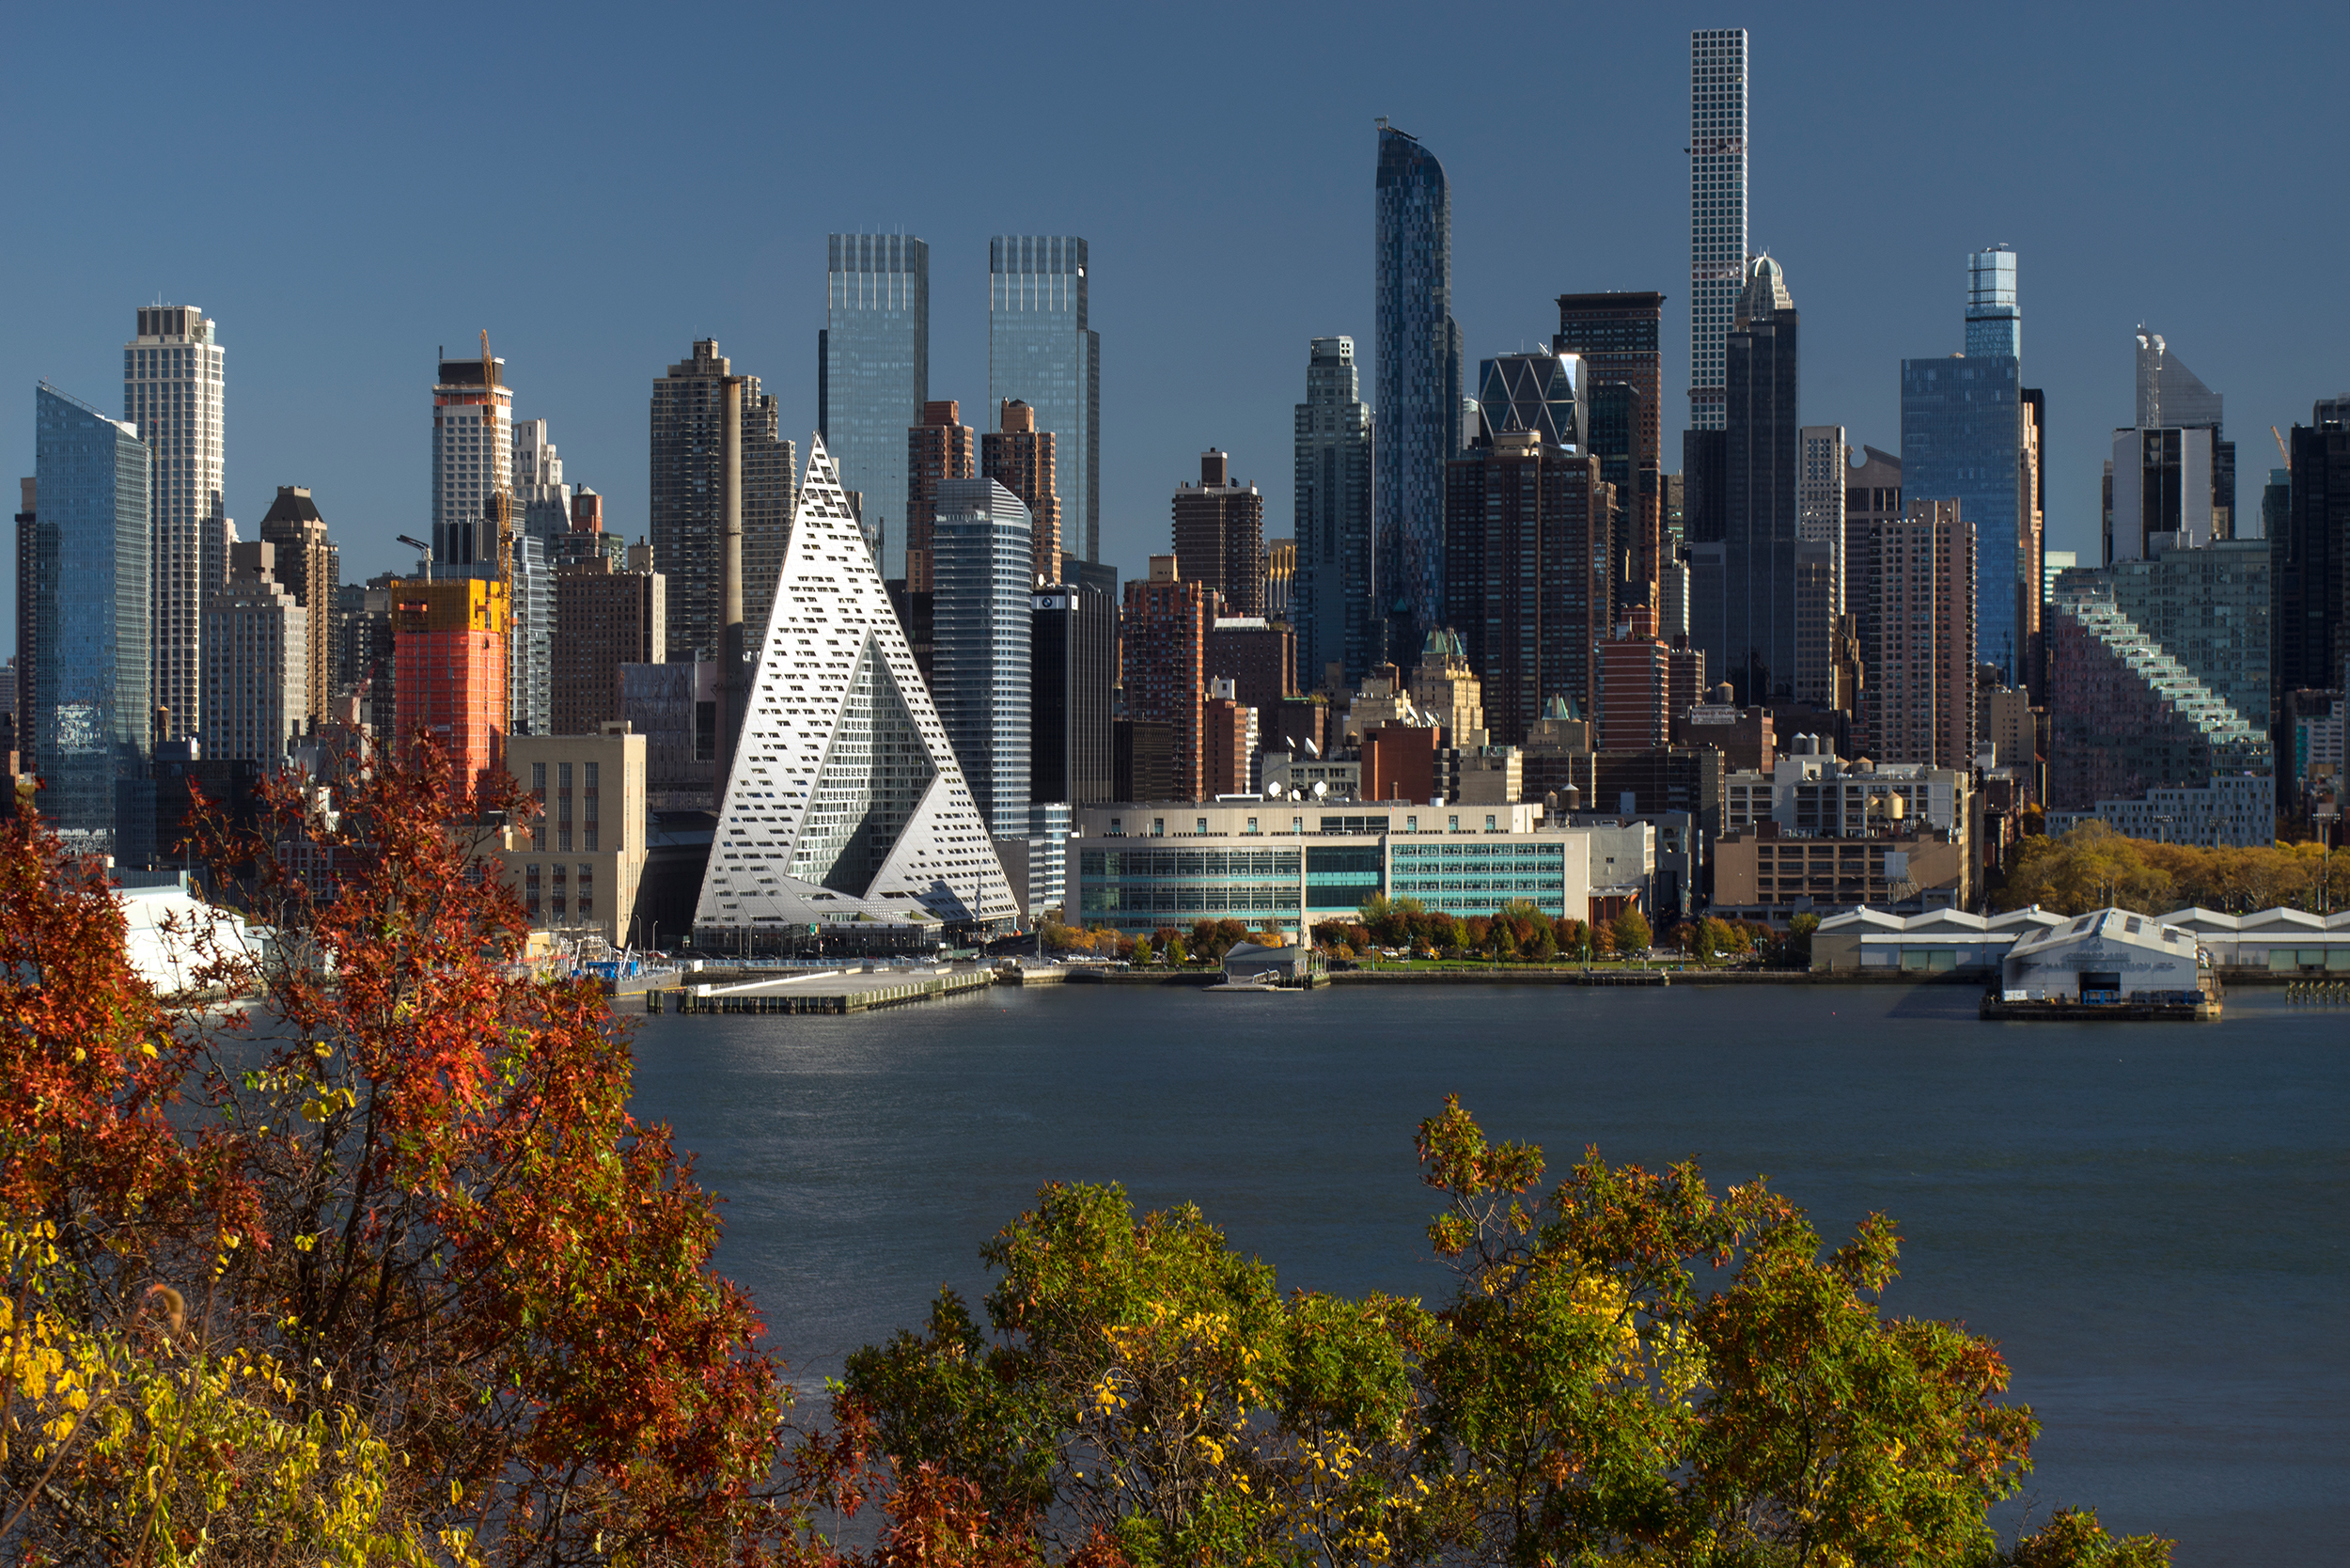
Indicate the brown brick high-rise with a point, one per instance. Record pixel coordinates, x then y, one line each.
1020 457
1219 535
938 448
602 619
1166 647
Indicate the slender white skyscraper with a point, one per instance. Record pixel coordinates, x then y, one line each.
473 455
172 385
1718 211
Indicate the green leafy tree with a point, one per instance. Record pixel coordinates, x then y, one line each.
1140 1384
1632 932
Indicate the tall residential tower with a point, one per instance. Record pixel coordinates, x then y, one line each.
872 377
688 482
1041 352
1717 211
1419 387
473 459
1332 597
172 390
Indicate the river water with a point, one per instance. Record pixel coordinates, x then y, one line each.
2150 1218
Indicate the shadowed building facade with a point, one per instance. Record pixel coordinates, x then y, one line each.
1420 386
688 483
1332 596
1743 578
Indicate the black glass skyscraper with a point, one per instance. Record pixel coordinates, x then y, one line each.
1743 582
1331 598
1418 385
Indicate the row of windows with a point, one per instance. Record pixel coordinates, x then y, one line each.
1169 863
1100 897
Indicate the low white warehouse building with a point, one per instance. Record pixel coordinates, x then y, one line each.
2107 955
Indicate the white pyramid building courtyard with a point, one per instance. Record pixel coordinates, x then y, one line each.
845 802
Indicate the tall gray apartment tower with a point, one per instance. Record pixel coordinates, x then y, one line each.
872 376
1332 601
173 387
688 480
1718 212
1041 352
1419 387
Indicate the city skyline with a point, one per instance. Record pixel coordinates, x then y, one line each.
1202 351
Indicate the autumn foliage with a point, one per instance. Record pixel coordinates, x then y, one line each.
1633 1369
370 1265
2093 867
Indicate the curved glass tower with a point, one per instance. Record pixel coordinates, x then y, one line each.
1418 387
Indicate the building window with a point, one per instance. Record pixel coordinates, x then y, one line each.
1203 825
587 838
586 892
539 779
563 840
1252 824
591 780
1297 824
562 776
1117 828
1411 825
1452 825
1489 825
1158 826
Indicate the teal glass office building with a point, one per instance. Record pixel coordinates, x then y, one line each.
92 657
1042 351
1962 438
873 375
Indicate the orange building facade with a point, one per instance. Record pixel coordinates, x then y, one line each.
449 653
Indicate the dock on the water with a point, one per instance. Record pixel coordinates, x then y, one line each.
2182 1008
824 991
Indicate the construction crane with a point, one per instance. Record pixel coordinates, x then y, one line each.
2281 450
501 501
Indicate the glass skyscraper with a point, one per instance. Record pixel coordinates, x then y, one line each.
873 375
1717 211
1419 391
981 624
92 639
1331 598
1041 352
1962 439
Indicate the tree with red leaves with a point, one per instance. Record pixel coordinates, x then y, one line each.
404 1169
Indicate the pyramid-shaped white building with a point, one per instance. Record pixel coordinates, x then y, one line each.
845 802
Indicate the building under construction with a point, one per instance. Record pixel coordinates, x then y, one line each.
449 654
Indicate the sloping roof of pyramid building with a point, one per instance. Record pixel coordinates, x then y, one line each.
845 801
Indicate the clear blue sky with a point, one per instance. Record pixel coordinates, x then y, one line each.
344 188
